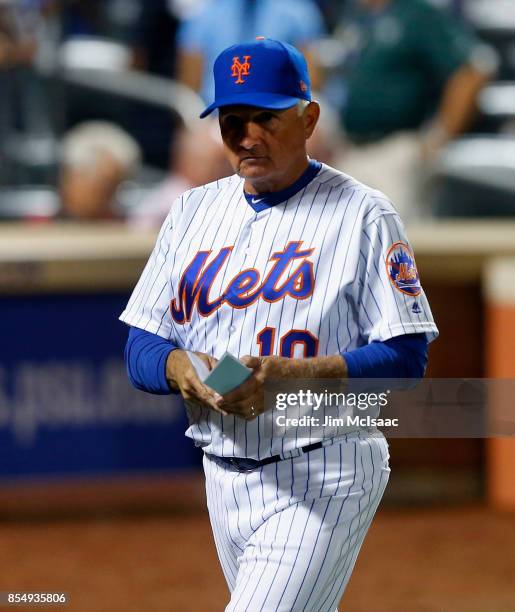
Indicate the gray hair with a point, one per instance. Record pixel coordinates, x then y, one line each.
83 144
301 106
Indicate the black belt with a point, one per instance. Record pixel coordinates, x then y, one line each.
242 464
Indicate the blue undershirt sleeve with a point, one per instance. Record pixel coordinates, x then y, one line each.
145 360
400 357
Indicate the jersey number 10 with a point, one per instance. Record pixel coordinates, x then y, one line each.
287 343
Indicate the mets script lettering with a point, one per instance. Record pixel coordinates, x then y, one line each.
246 287
239 69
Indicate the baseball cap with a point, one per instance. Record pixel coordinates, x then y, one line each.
264 72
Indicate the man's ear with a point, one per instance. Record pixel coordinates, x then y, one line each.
310 118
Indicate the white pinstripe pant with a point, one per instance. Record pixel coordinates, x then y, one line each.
288 534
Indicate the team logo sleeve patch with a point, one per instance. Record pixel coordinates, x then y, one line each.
402 269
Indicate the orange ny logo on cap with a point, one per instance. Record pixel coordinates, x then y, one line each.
238 69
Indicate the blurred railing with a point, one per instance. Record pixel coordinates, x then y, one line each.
88 78
139 87
475 177
497 100
103 65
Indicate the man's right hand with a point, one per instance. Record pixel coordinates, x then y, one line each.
181 376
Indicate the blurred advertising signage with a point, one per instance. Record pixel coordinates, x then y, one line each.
66 405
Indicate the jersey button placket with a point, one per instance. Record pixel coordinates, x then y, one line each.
254 236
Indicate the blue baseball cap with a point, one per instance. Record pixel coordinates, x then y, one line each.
265 73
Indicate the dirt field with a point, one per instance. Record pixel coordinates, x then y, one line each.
455 560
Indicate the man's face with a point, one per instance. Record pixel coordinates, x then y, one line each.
266 147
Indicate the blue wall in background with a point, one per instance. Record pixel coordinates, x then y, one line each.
66 406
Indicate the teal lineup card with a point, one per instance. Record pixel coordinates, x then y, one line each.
228 373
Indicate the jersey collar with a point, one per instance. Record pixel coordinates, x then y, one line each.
262 201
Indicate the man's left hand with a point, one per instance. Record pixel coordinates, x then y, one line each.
247 400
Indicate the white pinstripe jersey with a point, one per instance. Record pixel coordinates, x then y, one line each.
326 271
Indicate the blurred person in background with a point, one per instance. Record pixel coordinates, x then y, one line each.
221 23
114 19
96 158
154 37
327 141
412 81
197 158
23 33
82 18
17 37
331 12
